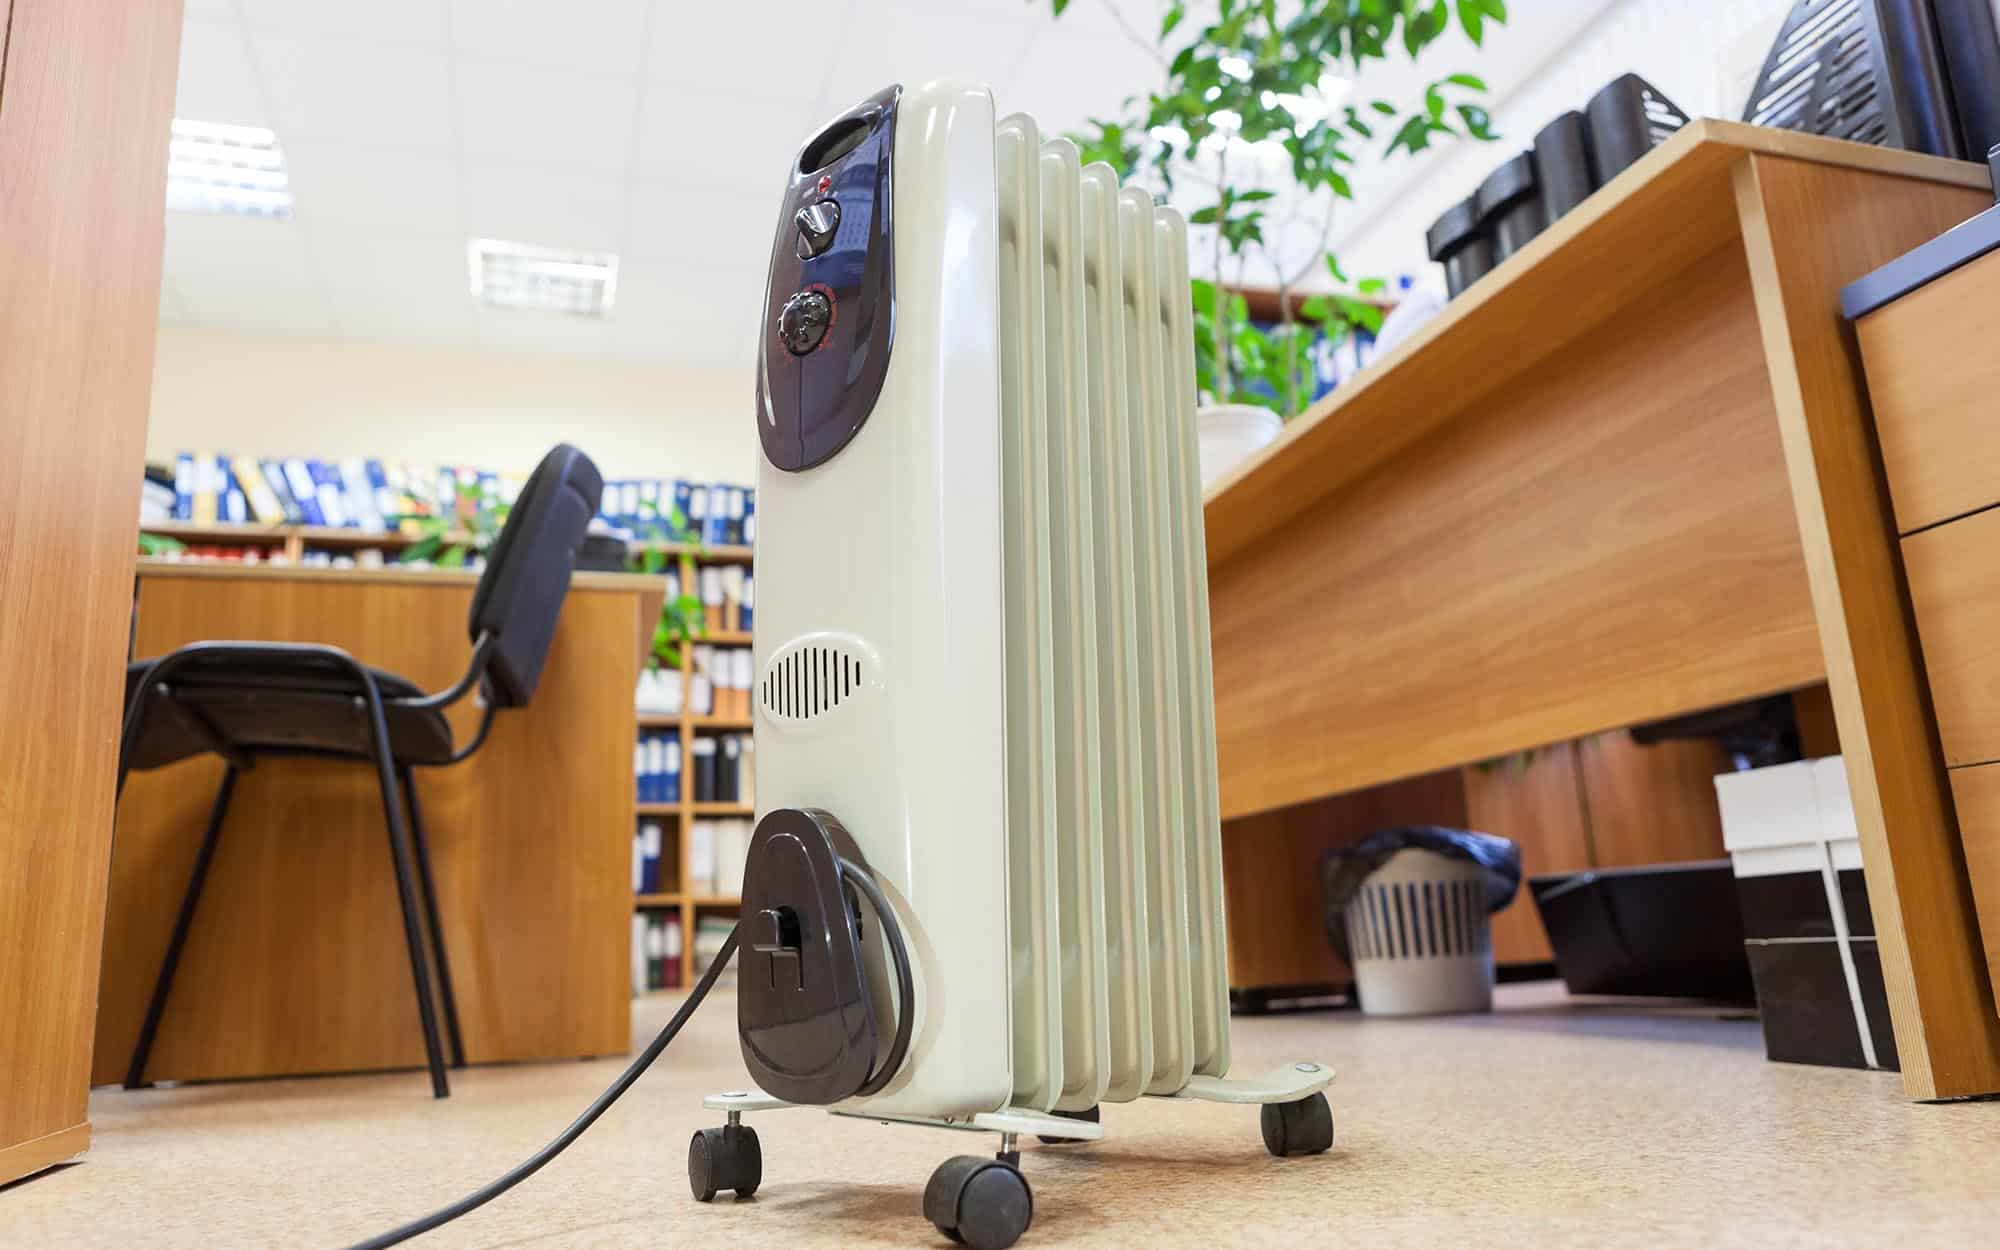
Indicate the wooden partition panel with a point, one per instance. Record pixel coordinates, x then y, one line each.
1271 866
296 961
86 91
1568 557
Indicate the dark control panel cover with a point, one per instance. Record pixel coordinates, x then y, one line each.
811 402
803 1012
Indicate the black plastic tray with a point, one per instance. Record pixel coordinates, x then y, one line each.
1660 931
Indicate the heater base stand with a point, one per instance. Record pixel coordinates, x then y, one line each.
1285 1083
1007 1120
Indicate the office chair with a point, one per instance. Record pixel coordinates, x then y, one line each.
247 700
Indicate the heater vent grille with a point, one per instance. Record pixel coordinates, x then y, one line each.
812 678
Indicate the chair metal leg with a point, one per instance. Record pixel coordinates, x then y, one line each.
163 984
406 890
421 846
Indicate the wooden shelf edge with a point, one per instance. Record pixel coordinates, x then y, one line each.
656 900
715 900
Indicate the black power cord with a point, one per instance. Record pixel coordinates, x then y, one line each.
534 1163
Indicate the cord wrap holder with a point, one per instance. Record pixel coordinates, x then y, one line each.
806 1017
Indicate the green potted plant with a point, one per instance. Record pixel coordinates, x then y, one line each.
1260 80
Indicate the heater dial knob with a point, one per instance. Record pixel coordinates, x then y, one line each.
804 320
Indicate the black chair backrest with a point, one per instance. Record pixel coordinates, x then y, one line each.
527 571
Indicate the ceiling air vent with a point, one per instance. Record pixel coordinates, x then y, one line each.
547 279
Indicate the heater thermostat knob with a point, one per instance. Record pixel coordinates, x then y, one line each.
804 321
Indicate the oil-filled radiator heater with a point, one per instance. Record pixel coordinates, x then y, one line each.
985 887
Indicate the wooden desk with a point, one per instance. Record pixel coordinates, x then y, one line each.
1626 475
296 960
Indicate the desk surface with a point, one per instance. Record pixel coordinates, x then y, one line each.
651 589
1624 244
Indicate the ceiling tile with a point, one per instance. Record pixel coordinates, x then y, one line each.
355 185
554 117
540 205
598 36
750 154
217 81
686 313
712 45
719 228
382 21
915 44
387 285
357 92
243 272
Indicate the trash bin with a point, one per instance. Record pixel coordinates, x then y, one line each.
1407 908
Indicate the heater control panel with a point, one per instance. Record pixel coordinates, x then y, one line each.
829 305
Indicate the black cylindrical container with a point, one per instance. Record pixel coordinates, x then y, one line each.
1971 39
1627 119
704 770
1562 165
1457 242
1508 206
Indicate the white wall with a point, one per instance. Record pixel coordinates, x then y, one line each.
1704 54
269 395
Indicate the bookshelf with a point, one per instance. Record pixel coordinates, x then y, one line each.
681 827
291 541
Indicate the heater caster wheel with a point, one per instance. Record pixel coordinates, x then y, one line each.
1090 1115
724 1158
1304 1127
979 1202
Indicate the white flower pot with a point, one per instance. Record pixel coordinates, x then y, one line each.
1231 434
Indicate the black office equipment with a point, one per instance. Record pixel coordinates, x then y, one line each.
1667 930
1562 165
1916 74
1573 156
1627 118
250 701
1509 206
1458 242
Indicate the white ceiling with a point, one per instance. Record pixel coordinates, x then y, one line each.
658 129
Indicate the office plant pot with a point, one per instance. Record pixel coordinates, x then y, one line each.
1231 434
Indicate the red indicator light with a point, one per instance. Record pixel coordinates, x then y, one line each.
825 184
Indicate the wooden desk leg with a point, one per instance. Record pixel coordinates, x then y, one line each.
1808 229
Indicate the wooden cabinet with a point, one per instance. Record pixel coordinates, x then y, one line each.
1934 385
1537 801
86 95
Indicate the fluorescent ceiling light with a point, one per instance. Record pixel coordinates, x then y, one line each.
520 275
236 170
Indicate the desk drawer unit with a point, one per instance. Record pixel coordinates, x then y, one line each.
1934 386
1934 383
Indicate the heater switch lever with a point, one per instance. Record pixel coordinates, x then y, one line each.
816 223
775 934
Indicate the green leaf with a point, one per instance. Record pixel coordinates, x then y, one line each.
1251 197
1060 5
1204 216
1203 292
1333 267
1181 61
1478 122
1173 18
1383 107
1315 307
422 549
1371 286
1472 17
1473 81
453 558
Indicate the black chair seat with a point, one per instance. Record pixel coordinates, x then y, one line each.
303 704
